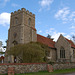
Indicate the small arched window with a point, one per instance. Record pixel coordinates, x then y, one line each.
62 52
29 21
15 35
15 42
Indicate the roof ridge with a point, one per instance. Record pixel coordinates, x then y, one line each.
71 42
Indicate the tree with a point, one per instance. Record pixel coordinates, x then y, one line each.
1 44
73 37
1 48
30 52
49 36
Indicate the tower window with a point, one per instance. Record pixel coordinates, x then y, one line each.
16 20
15 34
29 21
15 42
62 52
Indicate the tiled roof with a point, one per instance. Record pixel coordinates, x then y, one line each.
45 41
72 44
33 28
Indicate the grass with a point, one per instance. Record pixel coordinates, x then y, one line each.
47 73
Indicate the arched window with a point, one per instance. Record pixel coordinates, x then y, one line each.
15 42
15 34
29 21
62 52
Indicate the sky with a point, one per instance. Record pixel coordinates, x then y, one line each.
52 17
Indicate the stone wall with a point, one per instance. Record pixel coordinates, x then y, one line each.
33 67
53 55
23 67
63 66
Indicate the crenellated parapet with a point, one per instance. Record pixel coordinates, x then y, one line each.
23 10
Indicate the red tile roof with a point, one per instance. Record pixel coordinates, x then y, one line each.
45 41
33 28
72 44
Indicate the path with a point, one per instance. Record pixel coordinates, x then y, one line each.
67 74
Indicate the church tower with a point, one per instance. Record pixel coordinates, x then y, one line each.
22 28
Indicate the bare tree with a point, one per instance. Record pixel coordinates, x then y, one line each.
73 37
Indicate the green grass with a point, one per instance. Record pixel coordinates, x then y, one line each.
47 73
51 73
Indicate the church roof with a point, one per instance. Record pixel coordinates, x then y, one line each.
50 42
45 41
72 44
33 28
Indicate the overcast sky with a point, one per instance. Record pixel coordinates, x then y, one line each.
53 17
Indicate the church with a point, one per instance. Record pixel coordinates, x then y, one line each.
22 30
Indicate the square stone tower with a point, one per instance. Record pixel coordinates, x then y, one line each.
22 28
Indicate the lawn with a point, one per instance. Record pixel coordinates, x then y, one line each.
52 73
47 73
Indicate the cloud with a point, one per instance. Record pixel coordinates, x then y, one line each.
45 3
6 1
63 14
3 2
15 5
72 27
72 19
4 18
55 34
40 31
72 16
68 36
50 30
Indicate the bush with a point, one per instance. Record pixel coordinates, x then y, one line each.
32 52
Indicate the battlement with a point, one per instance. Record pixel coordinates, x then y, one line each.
22 10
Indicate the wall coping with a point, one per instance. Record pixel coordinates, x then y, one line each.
20 63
